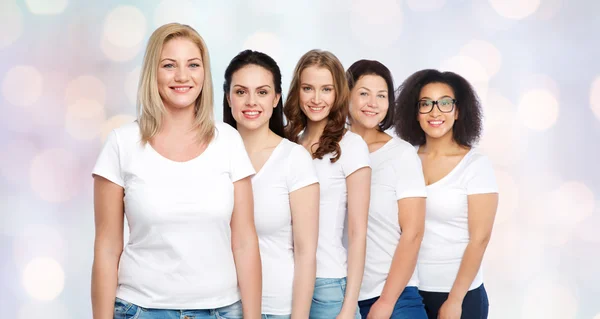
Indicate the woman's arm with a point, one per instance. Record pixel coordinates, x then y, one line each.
108 245
359 190
304 203
411 216
481 214
244 244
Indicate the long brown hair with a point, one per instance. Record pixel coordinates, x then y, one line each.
329 142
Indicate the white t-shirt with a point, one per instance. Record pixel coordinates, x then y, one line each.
396 174
446 223
179 251
289 168
331 253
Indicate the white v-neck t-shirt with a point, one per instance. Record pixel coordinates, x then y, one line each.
446 224
289 168
179 251
396 174
331 254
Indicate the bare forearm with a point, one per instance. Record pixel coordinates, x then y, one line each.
249 274
104 287
402 268
305 268
357 244
471 262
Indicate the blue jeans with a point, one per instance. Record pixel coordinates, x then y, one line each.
328 298
265 316
408 306
475 305
127 310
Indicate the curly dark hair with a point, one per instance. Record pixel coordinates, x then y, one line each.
372 67
329 142
467 128
248 57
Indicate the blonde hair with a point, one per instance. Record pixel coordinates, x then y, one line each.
150 107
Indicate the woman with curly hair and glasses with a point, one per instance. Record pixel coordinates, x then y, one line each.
317 109
440 114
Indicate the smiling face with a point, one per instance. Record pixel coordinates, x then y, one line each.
437 124
369 101
180 73
317 93
252 97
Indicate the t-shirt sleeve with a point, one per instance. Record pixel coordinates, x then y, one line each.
240 165
108 164
355 155
409 172
480 177
301 170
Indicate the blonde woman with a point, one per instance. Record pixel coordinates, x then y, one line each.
317 109
184 184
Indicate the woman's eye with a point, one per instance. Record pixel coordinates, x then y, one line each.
168 66
195 65
382 96
263 92
327 89
306 88
239 92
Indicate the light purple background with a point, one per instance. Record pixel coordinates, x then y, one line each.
68 75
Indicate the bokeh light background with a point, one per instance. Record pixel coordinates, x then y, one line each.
68 75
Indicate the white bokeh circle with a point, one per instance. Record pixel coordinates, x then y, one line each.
53 175
486 53
123 33
425 5
46 7
125 26
265 42
84 119
115 122
595 97
85 87
472 70
12 23
515 9
43 278
22 85
369 17
538 109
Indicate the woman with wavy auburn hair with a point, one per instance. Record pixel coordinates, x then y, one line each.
317 109
184 184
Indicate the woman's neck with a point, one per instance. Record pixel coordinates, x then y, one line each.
256 140
178 121
443 146
369 135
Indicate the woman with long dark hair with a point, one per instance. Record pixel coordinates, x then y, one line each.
286 189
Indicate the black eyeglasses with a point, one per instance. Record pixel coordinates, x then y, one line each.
445 105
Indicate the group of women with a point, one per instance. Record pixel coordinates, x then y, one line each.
321 215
